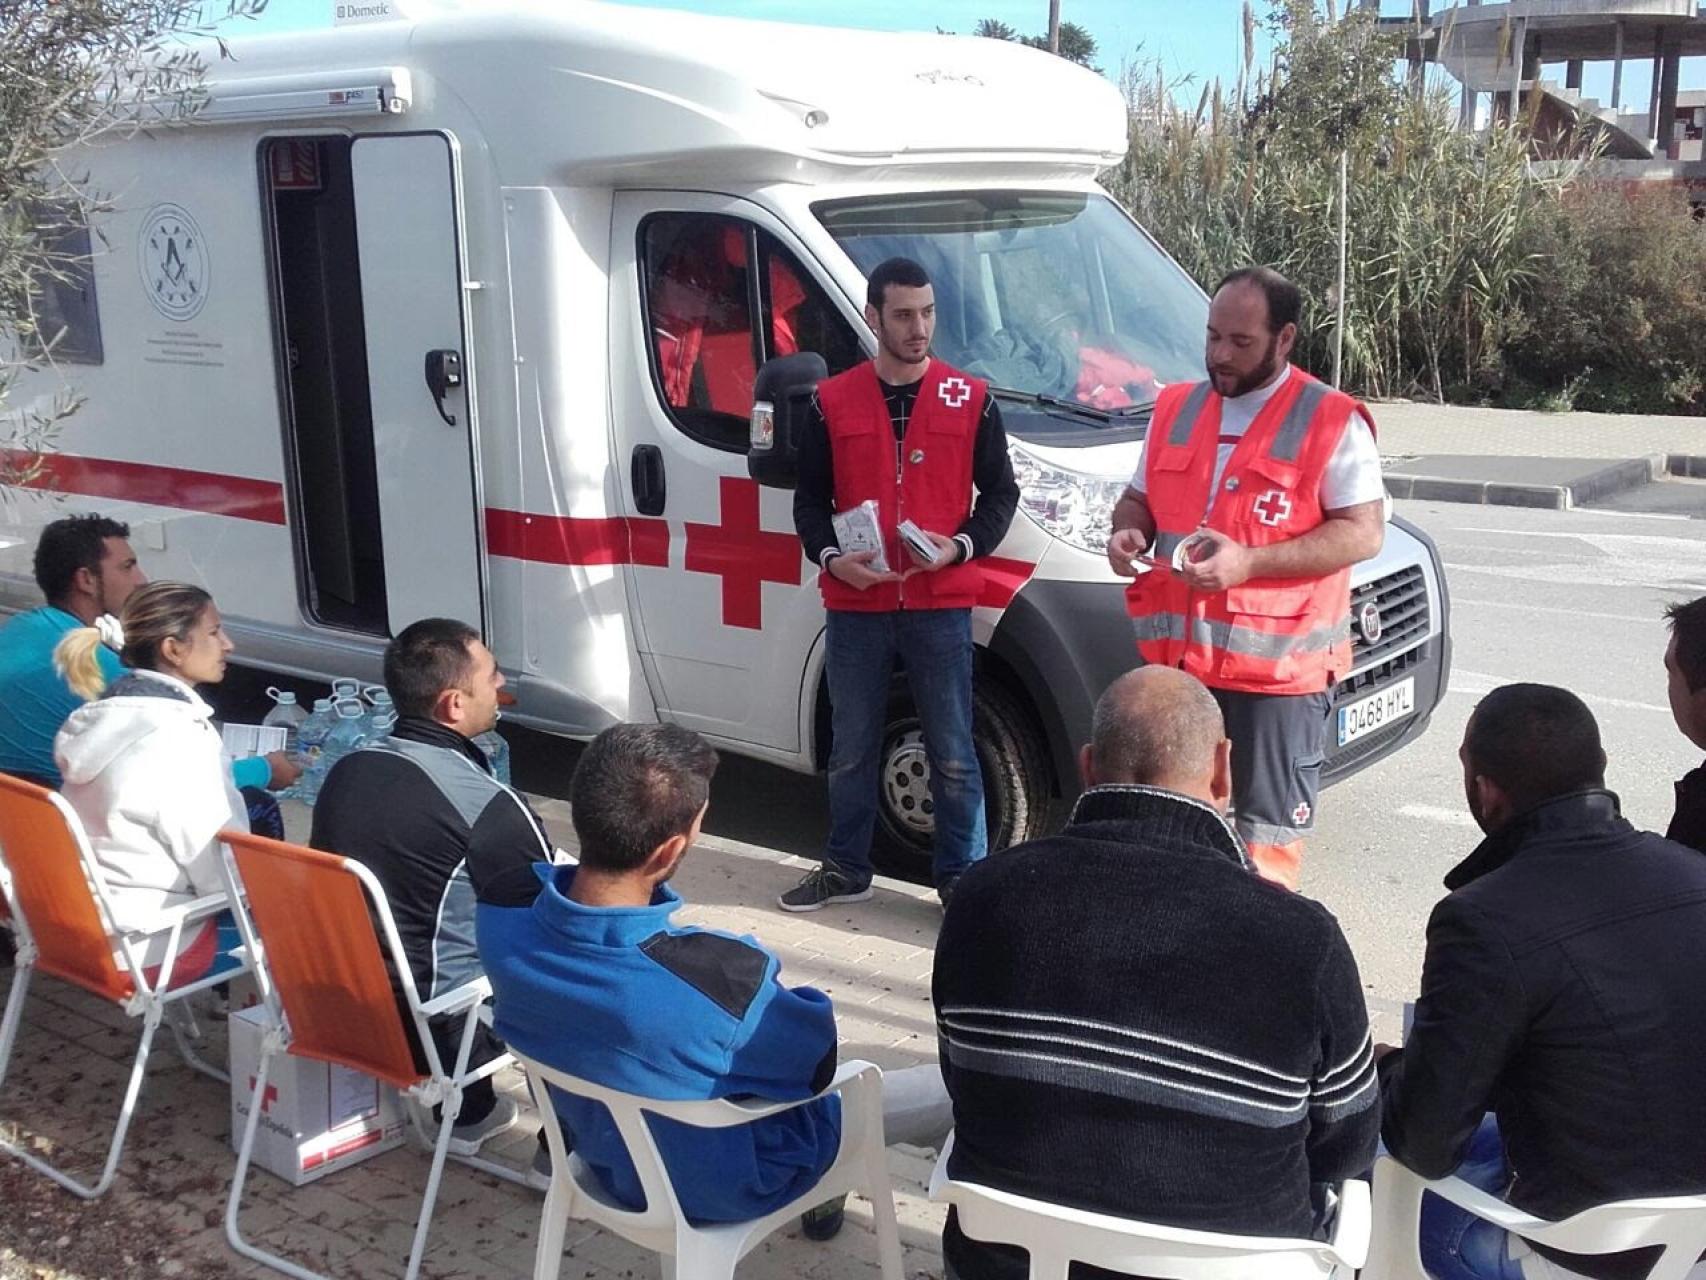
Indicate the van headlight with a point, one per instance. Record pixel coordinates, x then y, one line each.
1071 505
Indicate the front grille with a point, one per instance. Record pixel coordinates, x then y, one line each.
1402 599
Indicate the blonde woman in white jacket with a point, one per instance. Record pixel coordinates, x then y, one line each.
143 765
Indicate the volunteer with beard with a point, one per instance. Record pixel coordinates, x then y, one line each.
914 435
1270 482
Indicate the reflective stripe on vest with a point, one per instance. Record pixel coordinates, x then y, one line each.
1229 637
1179 434
1288 440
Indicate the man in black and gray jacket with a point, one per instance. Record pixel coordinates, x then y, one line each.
1165 1035
1556 1049
422 811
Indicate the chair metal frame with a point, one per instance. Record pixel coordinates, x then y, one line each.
1056 1236
434 1087
1676 1224
711 1252
132 991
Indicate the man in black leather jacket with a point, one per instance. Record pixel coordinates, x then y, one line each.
1564 991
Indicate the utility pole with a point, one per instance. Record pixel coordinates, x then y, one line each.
1054 26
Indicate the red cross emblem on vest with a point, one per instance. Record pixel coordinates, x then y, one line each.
953 391
1273 507
1300 815
741 553
267 1098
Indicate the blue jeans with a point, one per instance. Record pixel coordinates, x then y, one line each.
860 652
1456 1245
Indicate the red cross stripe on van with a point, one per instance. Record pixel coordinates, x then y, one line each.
741 553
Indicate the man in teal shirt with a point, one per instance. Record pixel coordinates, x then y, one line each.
85 567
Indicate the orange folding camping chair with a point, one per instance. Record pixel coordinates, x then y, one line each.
320 930
64 928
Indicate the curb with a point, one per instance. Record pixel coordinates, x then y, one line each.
1616 478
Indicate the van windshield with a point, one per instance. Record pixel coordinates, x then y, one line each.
1055 298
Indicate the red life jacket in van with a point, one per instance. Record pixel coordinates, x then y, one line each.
925 478
1267 635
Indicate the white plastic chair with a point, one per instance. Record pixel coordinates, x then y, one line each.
1675 1223
710 1252
64 926
1056 1237
319 928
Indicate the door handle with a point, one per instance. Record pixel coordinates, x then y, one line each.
645 470
443 375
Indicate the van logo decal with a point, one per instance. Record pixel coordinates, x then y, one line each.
743 553
953 391
173 260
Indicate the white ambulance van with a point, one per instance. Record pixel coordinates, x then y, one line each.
461 315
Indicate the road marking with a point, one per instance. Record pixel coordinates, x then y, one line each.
1654 619
1436 813
1492 682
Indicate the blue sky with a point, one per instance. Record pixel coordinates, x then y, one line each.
1195 38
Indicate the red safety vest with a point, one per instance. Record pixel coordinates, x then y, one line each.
1267 635
925 478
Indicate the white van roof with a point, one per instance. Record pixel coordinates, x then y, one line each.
610 92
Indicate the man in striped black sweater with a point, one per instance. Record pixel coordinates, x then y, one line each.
1133 1022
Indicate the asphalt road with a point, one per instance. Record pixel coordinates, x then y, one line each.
1572 598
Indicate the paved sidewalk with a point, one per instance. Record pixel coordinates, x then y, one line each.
1412 429
164 1214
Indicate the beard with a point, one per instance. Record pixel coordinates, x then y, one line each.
1263 374
896 349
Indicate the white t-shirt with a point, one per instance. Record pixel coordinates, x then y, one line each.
1352 476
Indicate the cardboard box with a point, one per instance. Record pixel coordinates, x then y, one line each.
316 1118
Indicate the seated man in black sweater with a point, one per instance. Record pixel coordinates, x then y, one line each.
1166 1036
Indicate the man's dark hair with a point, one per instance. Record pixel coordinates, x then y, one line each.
1688 625
76 542
1285 300
902 271
1536 742
636 786
425 659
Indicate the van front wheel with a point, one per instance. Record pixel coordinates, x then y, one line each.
1018 786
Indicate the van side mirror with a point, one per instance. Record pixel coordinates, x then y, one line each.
781 396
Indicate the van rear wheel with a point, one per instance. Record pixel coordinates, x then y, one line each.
1018 785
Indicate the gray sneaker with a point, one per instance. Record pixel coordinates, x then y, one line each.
824 886
466 1139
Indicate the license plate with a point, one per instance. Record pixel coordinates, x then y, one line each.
1376 711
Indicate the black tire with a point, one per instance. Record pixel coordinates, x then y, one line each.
1018 783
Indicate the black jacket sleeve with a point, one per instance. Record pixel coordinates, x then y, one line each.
992 473
814 486
1470 1018
504 844
1344 1099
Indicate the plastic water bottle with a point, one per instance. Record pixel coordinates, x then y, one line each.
286 714
497 752
382 723
310 741
380 707
344 734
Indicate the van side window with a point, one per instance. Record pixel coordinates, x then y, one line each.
702 296
797 314
66 323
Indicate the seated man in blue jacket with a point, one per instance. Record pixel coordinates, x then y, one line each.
594 979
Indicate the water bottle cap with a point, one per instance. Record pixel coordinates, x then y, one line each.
322 704
348 709
345 685
284 697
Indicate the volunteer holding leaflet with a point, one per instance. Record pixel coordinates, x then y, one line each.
1256 492
900 440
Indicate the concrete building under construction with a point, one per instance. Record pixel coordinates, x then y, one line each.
1498 52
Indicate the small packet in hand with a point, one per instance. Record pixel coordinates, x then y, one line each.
856 530
919 543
